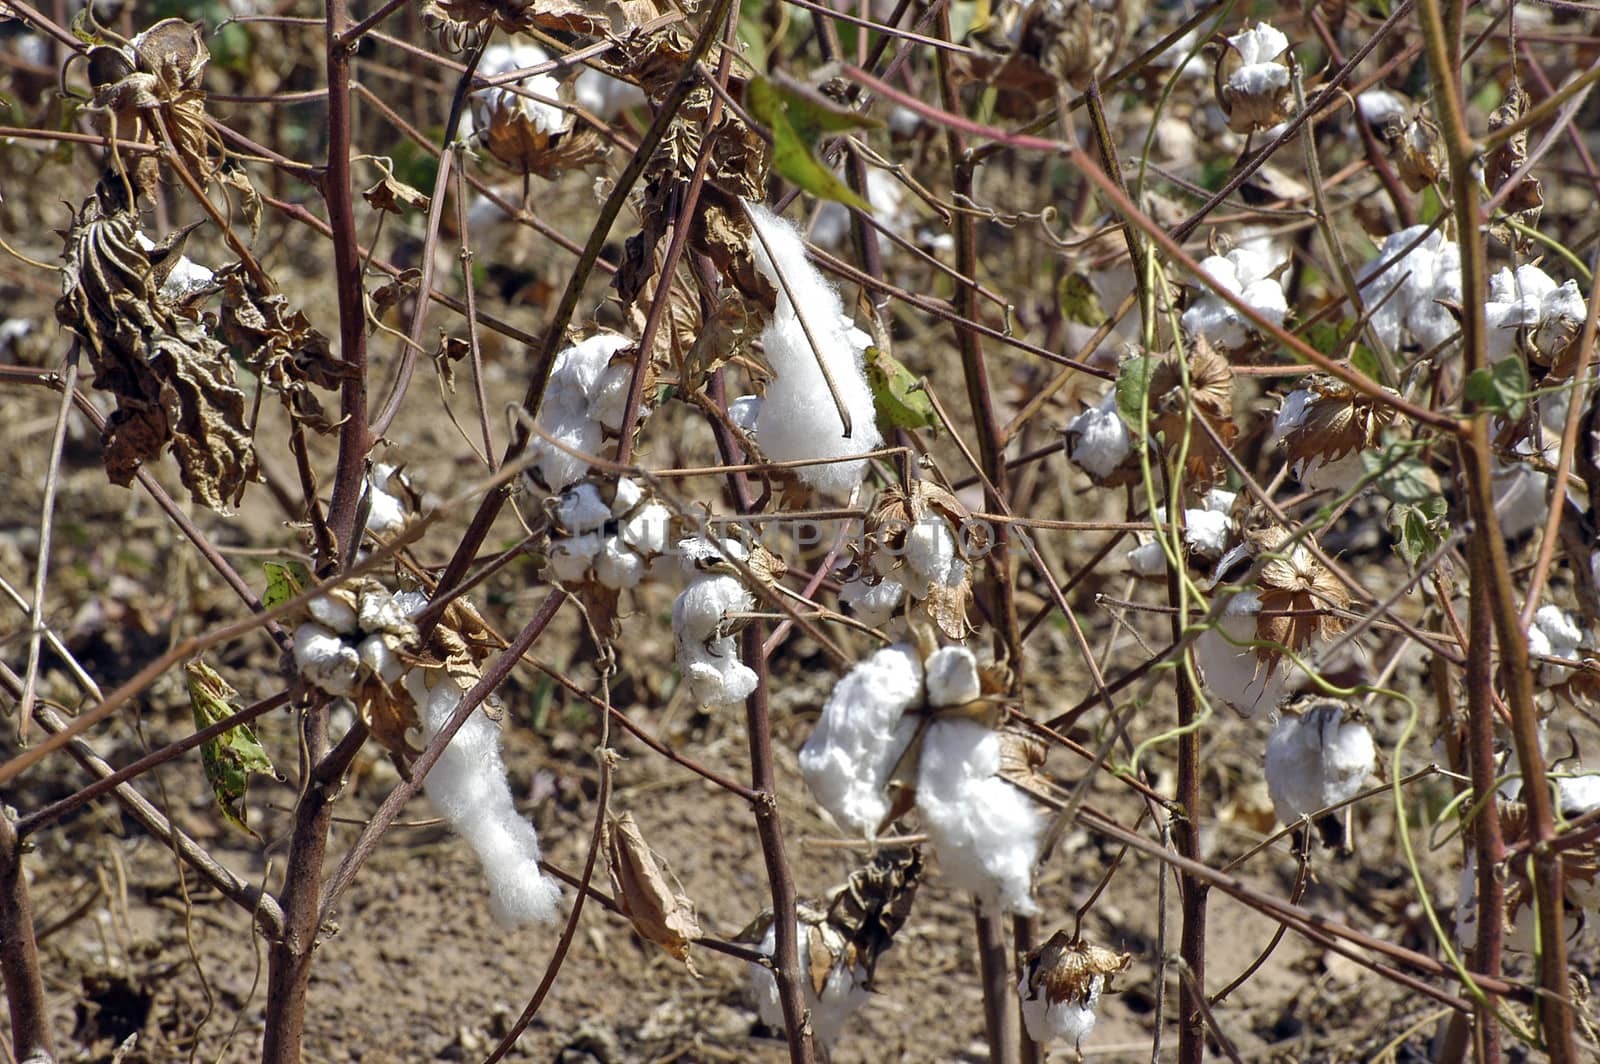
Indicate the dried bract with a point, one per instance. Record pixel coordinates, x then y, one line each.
1252 79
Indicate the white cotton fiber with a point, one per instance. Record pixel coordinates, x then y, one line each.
1431 272
872 604
799 418
1247 274
386 514
468 788
843 991
863 731
568 412
1098 440
985 830
503 59
1234 673
1317 759
1554 634
952 677
1068 1021
325 660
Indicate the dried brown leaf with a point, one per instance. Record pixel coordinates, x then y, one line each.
658 913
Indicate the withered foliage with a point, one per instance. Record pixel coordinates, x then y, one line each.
1526 200
173 383
873 905
1299 595
1072 43
280 346
147 91
888 527
463 24
1338 422
1416 148
658 913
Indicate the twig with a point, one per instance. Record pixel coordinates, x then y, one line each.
31 1037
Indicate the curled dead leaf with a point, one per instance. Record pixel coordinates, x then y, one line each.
658 913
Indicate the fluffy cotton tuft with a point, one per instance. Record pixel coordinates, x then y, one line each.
952 677
1316 760
930 558
860 737
567 413
503 59
468 788
843 991
325 660
1525 302
1068 1021
799 418
1554 634
1247 274
1098 440
872 604
1431 272
986 831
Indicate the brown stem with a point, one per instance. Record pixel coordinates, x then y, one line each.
764 781
1000 1020
1186 836
31 1039
1485 833
1490 564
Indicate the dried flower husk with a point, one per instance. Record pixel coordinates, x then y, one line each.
1209 396
1525 202
1339 421
874 903
1417 149
521 141
148 90
462 24
888 529
1065 968
658 913
1297 592
1028 50
1580 865
173 383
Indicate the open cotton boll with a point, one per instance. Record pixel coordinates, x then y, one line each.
618 566
985 830
1098 440
609 402
581 509
386 514
1579 794
952 677
1258 47
570 556
503 59
1431 272
860 737
873 604
707 655
1068 1021
378 659
744 412
1247 274
566 414
649 531
1554 634
799 418
1233 673
933 555
326 661
1524 301
468 788
332 614
1317 759
843 991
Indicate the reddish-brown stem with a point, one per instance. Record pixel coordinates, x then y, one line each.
31 1039
764 782
1186 837
1485 834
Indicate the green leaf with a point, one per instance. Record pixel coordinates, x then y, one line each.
1500 389
797 118
1133 389
231 757
1079 301
284 582
1404 481
899 396
1419 528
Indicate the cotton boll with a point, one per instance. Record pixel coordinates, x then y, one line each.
1378 106
861 735
698 554
649 531
1207 531
378 659
952 677
386 514
707 655
617 566
325 660
1246 274
1233 673
1147 559
610 399
744 412
799 418
1098 440
1317 759
1431 271
557 468
933 557
985 830
581 509
873 604
1068 1021
332 614
1554 634
469 789
571 556
844 990
625 496
503 59
380 612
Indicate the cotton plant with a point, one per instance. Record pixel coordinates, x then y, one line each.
799 417
1061 985
1209 530
615 542
488 106
702 631
180 279
1325 427
1407 297
1318 758
858 764
1252 276
582 401
354 632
